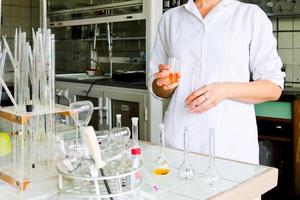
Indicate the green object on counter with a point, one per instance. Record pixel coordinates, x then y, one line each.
5 144
282 110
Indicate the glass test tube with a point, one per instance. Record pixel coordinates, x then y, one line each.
119 122
135 130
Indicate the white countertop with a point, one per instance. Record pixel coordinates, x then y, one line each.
238 180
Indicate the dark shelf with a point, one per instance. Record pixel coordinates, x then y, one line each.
283 15
274 138
274 119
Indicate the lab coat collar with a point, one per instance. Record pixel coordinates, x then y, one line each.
191 7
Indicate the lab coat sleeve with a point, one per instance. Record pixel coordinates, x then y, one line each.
159 54
264 60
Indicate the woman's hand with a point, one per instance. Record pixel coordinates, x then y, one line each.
206 97
163 79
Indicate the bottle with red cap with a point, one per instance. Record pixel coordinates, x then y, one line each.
137 162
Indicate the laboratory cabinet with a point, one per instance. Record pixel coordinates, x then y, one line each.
279 141
108 101
115 37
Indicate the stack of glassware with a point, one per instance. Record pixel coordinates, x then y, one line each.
186 172
103 165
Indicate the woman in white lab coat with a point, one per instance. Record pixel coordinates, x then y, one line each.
228 62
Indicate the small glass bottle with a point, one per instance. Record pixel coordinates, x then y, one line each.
137 162
162 164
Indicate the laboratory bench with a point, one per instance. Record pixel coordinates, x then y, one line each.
108 82
238 180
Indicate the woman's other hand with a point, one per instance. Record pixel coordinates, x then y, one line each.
206 97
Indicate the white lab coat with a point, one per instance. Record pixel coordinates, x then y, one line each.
233 42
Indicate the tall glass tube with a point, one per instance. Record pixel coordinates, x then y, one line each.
186 171
135 130
211 177
119 122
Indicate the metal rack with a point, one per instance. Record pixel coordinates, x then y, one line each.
111 185
106 13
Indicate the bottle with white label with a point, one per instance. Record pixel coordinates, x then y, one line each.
136 157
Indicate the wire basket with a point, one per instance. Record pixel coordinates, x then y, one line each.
116 179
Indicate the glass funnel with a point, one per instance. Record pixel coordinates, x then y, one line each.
81 112
211 177
186 171
161 163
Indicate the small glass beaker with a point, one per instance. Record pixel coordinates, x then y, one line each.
120 135
174 74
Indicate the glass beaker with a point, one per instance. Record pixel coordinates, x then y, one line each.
174 74
120 135
186 171
211 177
161 163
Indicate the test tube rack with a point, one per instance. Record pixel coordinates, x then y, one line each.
116 179
111 185
32 159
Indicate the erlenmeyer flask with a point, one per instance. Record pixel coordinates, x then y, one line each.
186 171
162 164
211 177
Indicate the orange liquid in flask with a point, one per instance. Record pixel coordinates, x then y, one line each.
161 171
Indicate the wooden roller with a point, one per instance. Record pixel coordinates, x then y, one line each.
90 140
